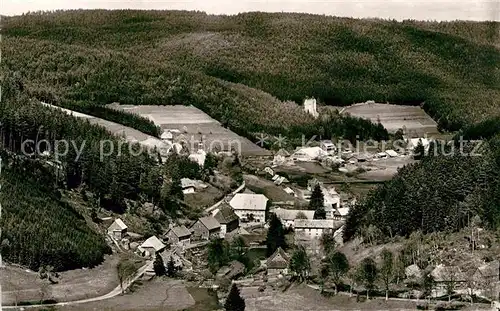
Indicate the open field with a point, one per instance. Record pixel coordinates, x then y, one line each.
268 188
152 295
23 285
394 117
131 135
196 126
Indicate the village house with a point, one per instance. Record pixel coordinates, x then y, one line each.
206 228
278 262
269 170
288 216
340 213
313 228
150 247
280 157
328 146
188 185
167 135
444 275
227 218
308 154
250 207
486 279
331 201
117 230
179 235
308 232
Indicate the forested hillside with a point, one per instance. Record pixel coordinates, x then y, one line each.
167 57
37 227
440 193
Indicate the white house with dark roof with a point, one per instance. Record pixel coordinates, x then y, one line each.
308 232
288 216
206 228
151 246
250 207
179 235
117 229
313 228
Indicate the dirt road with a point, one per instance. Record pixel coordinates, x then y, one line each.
115 292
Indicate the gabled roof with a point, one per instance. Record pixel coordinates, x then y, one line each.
314 223
391 153
282 152
225 215
153 242
279 260
291 214
490 269
186 183
180 231
311 152
245 201
447 273
343 211
210 222
118 224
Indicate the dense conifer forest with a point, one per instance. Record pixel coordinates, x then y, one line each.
250 70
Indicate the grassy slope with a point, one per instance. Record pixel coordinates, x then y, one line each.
450 66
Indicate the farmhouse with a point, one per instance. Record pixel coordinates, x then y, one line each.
206 228
227 218
179 236
117 229
280 157
250 207
308 154
308 232
313 228
151 246
288 216
486 278
447 274
278 262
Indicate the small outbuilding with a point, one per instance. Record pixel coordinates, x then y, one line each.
117 230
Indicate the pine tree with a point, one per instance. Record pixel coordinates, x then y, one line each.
275 235
159 266
234 302
317 203
171 268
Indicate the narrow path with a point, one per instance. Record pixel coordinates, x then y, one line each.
211 208
115 292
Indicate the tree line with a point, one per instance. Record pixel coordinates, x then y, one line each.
440 193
